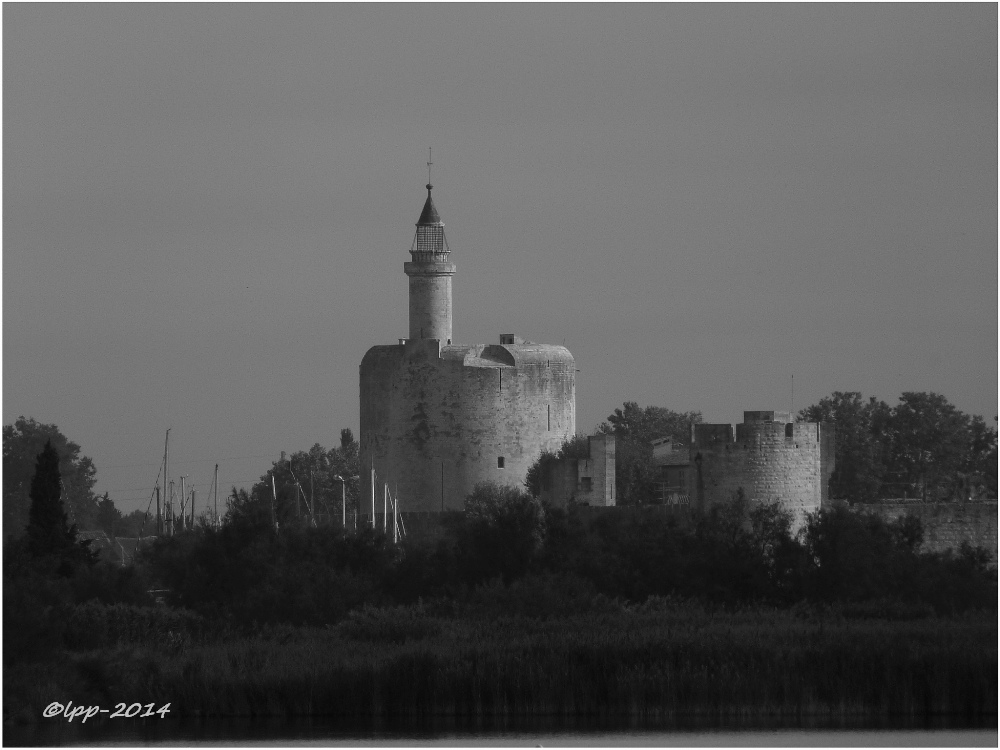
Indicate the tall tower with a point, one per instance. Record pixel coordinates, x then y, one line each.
430 273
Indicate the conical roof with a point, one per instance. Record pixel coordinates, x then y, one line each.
429 216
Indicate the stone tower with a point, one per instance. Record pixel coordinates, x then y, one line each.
430 273
437 417
771 457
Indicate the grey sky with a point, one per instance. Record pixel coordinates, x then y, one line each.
207 209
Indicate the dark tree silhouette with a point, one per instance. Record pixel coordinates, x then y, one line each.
49 533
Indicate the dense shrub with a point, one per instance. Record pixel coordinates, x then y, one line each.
301 576
87 627
388 625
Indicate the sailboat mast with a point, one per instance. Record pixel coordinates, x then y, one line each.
166 479
217 522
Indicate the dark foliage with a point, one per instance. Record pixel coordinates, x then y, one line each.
48 532
504 528
108 517
22 442
922 447
577 446
246 572
635 428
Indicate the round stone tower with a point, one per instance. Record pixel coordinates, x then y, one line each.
430 275
437 418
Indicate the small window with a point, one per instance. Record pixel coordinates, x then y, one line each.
586 484
789 430
500 462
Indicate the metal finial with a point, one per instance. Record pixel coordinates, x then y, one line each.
429 162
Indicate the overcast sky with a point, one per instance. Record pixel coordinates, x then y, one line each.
206 209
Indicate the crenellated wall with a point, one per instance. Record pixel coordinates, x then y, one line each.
436 420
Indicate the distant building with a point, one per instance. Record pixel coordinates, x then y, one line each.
584 481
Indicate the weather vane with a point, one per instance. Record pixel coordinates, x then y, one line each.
429 162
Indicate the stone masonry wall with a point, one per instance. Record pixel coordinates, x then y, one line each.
436 419
430 306
768 460
946 525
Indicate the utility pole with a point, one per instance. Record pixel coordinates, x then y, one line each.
192 508
159 520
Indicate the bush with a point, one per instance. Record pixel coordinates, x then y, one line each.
87 627
504 529
388 625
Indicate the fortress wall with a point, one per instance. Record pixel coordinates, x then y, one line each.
768 460
946 525
436 425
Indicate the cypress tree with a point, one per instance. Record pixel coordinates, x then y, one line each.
49 533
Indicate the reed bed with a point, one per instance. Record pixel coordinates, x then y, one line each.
655 662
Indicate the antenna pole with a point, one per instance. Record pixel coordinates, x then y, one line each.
429 162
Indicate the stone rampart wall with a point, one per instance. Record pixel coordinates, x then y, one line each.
946 525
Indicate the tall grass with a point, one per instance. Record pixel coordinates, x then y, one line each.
659 660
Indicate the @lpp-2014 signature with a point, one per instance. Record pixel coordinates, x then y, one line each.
122 711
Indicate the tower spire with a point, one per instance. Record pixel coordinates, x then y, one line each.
430 271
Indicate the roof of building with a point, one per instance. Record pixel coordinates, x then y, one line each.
429 217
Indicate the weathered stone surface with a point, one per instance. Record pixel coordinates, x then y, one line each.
946 525
770 457
435 420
